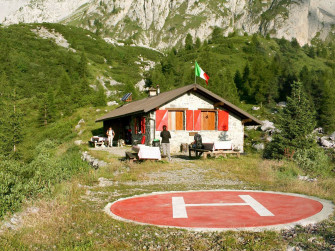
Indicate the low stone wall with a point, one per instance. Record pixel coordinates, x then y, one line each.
95 163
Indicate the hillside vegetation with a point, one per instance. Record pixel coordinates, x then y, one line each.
42 85
45 88
255 70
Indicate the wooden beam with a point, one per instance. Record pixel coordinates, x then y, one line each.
246 121
207 110
176 109
218 104
192 133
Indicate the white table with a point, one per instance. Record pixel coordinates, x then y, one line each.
223 145
147 152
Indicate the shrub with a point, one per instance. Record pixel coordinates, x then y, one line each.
12 188
313 161
19 181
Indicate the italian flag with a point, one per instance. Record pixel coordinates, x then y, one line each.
200 73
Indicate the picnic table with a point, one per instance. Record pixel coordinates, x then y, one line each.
98 141
219 148
143 152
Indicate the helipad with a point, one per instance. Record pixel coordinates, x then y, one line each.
221 210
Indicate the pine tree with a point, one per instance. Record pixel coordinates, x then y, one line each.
238 82
327 116
100 96
83 69
188 42
296 123
65 94
4 89
197 43
47 113
11 123
217 35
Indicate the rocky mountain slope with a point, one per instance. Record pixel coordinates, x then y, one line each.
162 24
37 11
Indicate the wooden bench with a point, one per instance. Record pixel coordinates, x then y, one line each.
131 157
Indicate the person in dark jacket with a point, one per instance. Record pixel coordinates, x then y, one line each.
166 136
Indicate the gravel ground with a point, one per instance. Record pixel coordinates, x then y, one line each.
118 151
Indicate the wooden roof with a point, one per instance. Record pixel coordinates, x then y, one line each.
151 103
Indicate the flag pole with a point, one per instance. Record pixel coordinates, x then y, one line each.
195 73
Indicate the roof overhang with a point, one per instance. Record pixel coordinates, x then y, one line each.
152 103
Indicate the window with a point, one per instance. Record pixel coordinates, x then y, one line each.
173 119
208 120
176 120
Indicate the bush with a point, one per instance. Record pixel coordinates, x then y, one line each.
11 187
19 181
313 161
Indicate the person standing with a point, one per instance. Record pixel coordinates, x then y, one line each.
166 136
110 134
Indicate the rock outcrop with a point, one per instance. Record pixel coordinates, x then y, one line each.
38 11
162 24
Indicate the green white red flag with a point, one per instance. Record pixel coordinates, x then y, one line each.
200 73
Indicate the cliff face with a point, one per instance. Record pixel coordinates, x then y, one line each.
165 23
37 11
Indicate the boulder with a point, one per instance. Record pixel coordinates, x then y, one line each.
251 127
112 103
267 126
282 104
259 147
326 143
318 130
255 108
332 136
307 178
268 139
78 142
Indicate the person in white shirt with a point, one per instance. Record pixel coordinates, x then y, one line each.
110 134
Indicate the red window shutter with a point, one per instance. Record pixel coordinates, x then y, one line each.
143 125
223 121
189 120
161 119
197 120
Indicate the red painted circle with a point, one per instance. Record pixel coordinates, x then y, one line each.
157 209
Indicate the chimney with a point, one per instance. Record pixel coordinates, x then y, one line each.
152 92
158 90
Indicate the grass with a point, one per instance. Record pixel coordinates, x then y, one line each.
73 217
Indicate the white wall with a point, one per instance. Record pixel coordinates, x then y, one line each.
194 101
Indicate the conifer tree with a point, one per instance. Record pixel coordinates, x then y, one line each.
296 123
4 88
238 82
11 122
327 115
188 42
217 35
100 96
47 112
197 43
83 69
